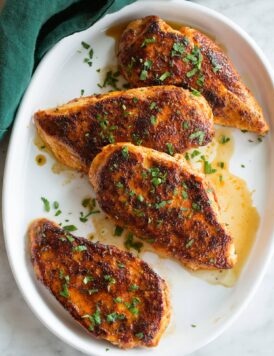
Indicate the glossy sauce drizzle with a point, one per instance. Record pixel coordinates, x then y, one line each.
236 208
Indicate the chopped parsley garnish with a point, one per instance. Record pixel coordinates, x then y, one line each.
139 335
162 204
184 195
198 134
132 306
189 243
147 41
192 72
70 228
156 181
55 205
110 279
195 153
221 164
196 206
221 178
92 291
242 165
118 230
46 204
111 80
208 169
185 125
70 238
177 49
95 318
152 105
133 287
88 279
120 265
170 148
195 92
65 292
80 248
111 318
85 45
82 92
144 72
193 325
119 185
224 139
140 198
125 152
118 300
153 119
164 76
131 243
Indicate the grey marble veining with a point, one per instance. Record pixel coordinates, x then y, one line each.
22 334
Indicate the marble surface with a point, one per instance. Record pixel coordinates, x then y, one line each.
22 334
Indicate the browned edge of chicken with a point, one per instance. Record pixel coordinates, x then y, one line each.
112 294
164 118
164 202
153 53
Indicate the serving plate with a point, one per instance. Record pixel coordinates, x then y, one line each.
60 77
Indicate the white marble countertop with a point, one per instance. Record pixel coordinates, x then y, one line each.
22 334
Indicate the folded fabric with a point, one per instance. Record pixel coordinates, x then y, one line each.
28 29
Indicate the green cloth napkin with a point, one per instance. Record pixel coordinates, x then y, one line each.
28 29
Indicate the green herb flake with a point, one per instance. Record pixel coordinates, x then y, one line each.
125 152
195 92
88 279
185 125
85 45
135 100
164 76
82 92
133 287
208 168
193 325
46 204
242 165
147 41
224 139
221 165
196 206
70 228
170 148
195 153
111 318
143 75
140 198
58 212
140 335
118 231
153 119
55 205
189 243
118 300
121 265
200 135
184 195
65 292
152 105
131 243
80 248
192 72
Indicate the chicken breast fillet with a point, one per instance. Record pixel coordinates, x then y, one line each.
163 118
163 201
152 53
112 294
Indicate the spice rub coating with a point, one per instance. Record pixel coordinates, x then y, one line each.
153 53
152 117
112 294
164 202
